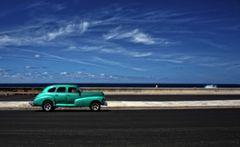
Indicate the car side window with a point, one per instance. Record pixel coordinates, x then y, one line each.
52 89
61 89
72 90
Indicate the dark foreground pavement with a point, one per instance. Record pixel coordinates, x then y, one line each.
140 97
168 128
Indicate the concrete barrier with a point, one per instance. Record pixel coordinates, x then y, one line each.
167 91
133 91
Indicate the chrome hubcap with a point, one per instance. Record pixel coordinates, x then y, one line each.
47 107
95 106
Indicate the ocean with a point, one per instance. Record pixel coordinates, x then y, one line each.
149 85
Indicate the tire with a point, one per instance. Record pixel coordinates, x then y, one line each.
47 106
95 106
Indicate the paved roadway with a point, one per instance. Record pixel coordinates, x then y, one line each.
167 128
141 97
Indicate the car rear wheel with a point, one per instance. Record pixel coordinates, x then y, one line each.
95 106
47 106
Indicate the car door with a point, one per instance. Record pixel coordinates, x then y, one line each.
73 94
61 95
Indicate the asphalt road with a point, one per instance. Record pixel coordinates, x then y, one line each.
140 97
167 128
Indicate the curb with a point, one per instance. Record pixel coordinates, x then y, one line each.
135 105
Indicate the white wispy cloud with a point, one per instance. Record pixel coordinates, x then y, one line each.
174 58
7 40
21 37
35 5
30 67
26 76
45 73
66 76
4 73
86 75
138 54
214 64
202 61
70 28
27 67
63 73
139 37
106 61
110 62
119 50
63 76
110 50
84 48
18 57
60 58
135 36
175 61
211 43
231 28
36 56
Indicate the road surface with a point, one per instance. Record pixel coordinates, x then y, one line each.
168 128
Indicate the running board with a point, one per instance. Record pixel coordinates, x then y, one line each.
65 105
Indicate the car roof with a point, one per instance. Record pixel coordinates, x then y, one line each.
58 85
62 85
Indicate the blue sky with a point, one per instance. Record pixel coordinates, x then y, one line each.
113 41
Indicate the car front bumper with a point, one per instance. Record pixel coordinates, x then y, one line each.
31 103
105 103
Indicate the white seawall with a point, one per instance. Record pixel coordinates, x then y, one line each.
128 105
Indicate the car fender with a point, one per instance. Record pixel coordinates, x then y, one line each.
39 101
86 101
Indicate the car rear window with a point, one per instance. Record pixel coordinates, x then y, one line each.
61 89
52 89
72 90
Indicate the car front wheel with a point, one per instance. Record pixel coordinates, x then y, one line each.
47 106
95 106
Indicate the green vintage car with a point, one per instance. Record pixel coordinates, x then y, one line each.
68 96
